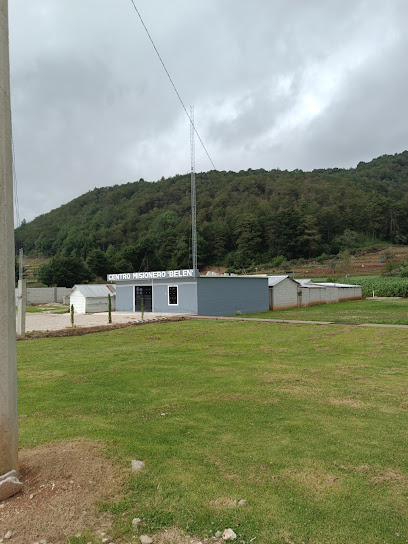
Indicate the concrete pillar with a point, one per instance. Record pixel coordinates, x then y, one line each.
8 358
21 307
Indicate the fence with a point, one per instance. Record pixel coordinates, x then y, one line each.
44 295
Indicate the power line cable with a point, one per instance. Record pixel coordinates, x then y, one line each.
172 82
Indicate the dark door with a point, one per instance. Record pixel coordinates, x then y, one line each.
270 298
143 293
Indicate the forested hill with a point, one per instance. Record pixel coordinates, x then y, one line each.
246 217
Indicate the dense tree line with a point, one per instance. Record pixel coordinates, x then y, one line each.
243 218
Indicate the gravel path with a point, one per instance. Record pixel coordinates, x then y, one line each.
289 321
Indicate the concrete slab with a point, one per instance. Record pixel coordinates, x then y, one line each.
298 322
44 321
9 485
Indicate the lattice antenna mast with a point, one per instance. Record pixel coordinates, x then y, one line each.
193 193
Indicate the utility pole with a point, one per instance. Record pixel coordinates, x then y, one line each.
21 298
8 358
193 194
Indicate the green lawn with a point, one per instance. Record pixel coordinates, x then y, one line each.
59 309
392 311
309 425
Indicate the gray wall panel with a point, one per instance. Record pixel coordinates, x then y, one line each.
226 296
187 297
124 297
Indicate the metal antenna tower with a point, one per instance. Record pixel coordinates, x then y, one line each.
193 193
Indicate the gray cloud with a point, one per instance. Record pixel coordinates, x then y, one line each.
275 84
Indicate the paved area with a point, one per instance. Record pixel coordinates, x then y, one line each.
47 321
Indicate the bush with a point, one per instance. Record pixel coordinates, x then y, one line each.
64 272
391 268
322 258
277 261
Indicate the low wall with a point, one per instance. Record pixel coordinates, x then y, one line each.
44 295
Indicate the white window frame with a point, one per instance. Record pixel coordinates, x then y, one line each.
168 295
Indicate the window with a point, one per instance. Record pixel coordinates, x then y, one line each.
173 295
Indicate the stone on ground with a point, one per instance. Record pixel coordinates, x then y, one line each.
137 465
144 539
242 502
9 485
136 521
229 534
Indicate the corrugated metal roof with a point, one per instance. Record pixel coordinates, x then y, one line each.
312 285
326 284
95 291
274 280
303 282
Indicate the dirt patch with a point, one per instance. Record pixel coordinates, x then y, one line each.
62 484
349 402
175 536
314 480
361 468
223 502
390 476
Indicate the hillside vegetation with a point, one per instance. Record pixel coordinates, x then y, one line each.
244 219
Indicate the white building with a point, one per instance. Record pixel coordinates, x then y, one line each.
283 293
90 299
311 294
345 291
325 293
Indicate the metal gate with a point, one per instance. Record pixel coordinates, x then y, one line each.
145 294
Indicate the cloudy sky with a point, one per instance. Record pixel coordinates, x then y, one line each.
275 84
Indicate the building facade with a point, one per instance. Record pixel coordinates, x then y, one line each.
185 292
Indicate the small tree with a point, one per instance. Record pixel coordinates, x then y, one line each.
142 308
109 309
345 261
72 315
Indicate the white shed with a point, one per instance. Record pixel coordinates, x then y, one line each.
283 292
345 291
90 299
312 294
325 292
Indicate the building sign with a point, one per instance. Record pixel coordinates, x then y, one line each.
156 275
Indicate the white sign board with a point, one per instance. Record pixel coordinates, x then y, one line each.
156 275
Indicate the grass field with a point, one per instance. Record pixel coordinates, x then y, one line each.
38 308
309 425
391 311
